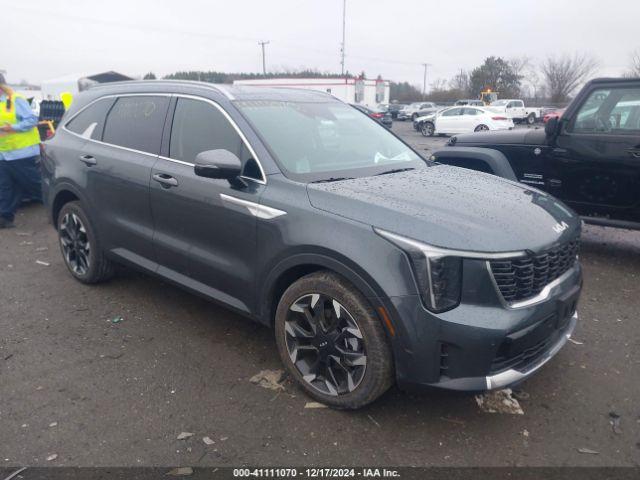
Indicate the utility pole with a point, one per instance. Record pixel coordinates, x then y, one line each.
424 82
264 63
344 22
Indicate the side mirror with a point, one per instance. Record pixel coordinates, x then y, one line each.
218 164
551 127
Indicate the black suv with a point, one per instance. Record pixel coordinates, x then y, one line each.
294 209
589 158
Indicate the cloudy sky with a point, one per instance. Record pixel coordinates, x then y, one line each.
51 38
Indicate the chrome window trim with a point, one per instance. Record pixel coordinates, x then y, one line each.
262 181
544 294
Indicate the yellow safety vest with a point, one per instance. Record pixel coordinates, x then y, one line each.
15 140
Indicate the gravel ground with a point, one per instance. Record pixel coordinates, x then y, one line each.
97 393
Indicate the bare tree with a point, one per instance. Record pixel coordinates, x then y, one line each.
525 67
460 82
438 85
634 65
564 73
520 64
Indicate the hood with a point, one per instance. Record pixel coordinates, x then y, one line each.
451 207
520 136
429 116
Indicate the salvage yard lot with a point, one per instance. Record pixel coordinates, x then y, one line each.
112 374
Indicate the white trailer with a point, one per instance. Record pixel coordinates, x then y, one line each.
369 93
74 83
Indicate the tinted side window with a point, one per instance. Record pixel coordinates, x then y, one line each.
453 112
471 111
199 126
89 123
136 122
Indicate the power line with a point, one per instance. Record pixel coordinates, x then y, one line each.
344 23
81 19
424 83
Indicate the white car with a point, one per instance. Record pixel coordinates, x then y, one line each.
463 120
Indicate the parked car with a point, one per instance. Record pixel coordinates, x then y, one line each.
472 102
553 114
462 120
412 111
589 157
392 108
516 110
372 265
384 117
419 122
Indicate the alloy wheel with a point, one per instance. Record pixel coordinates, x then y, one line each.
481 128
427 129
75 243
325 344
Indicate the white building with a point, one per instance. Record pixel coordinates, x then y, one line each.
350 90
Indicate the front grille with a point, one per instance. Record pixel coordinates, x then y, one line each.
523 359
522 278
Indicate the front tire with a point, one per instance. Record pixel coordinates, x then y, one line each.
81 249
428 129
332 342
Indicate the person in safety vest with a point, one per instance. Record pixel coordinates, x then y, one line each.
19 154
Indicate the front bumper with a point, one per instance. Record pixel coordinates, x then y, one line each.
483 343
511 376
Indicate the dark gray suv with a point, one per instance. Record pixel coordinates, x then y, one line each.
373 265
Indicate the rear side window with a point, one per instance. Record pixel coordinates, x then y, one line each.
453 112
89 123
136 123
198 126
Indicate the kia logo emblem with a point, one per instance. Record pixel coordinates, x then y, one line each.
560 227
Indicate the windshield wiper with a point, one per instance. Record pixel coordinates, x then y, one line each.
332 179
396 170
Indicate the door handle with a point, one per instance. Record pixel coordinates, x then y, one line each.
167 181
88 160
634 152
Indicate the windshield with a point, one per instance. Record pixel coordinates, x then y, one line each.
499 103
313 141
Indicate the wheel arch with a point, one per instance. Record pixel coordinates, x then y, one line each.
476 158
64 194
294 267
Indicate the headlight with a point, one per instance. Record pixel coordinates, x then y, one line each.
438 274
438 271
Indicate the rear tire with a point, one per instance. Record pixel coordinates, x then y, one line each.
531 119
332 342
80 247
481 128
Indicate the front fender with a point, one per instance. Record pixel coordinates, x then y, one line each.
476 158
319 260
